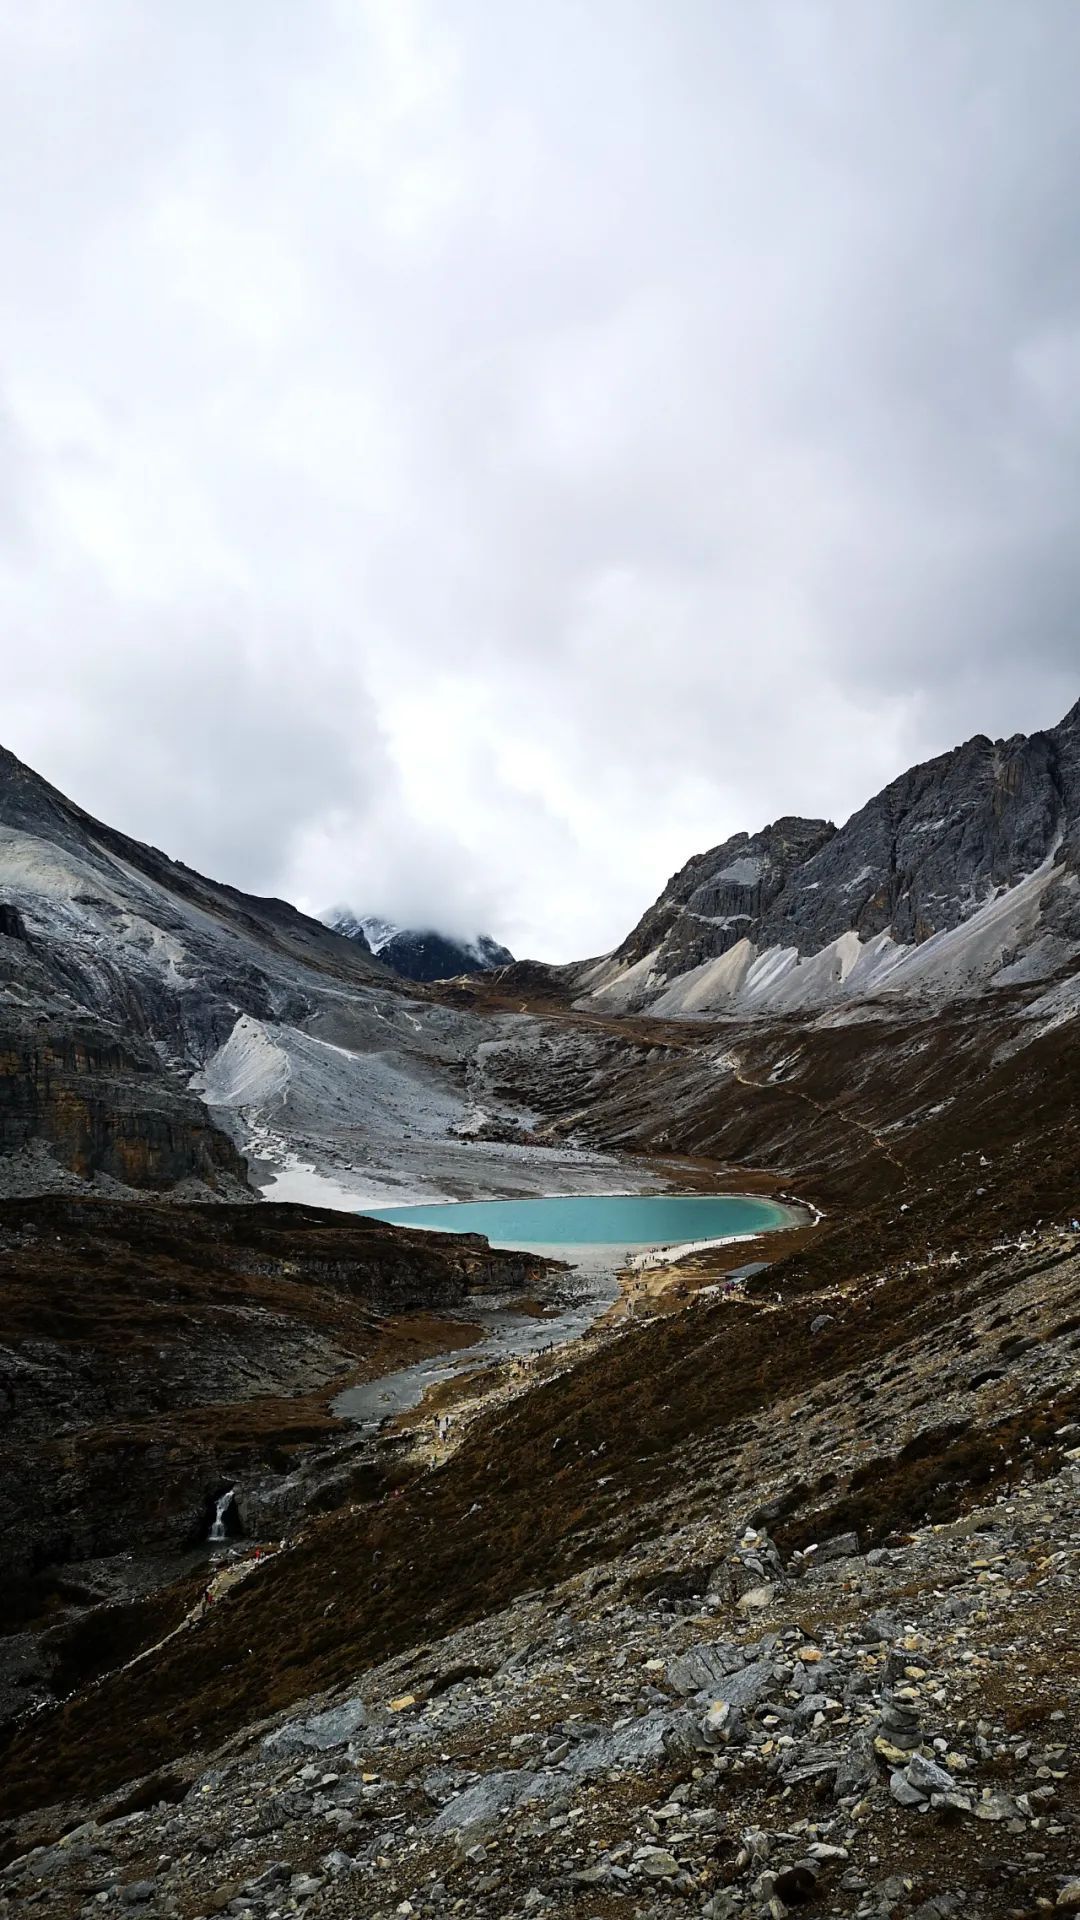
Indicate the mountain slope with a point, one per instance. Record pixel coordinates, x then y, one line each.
415 953
54 831
120 930
176 1345
962 873
120 971
158 1028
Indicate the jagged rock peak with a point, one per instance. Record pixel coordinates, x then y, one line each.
935 849
719 896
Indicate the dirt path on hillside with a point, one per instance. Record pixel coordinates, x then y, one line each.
819 1107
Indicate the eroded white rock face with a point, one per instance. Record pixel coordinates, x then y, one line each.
1002 943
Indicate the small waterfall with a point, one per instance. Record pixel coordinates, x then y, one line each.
217 1526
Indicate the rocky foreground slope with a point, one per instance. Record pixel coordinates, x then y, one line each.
770 1602
876 1733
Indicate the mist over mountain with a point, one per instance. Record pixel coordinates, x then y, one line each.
416 953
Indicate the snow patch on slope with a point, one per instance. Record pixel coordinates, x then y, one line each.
378 932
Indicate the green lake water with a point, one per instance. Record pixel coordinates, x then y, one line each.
598 1220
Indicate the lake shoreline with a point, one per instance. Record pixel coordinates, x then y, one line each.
592 1295
623 1223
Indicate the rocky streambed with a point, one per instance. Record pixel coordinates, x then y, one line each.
573 1301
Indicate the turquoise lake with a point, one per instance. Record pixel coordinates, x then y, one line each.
598 1220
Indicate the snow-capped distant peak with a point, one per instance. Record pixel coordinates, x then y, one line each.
378 931
420 953
487 952
369 928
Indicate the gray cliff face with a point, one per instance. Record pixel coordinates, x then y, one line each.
935 844
103 1104
721 897
919 859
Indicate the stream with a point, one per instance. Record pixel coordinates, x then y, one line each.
583 1295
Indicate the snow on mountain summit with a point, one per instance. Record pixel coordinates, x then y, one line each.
419 953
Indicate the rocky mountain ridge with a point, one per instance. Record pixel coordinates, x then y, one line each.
121 971
962 873
159 1028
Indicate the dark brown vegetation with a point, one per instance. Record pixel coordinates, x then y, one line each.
149 1352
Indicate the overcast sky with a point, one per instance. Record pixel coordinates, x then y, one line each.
461 458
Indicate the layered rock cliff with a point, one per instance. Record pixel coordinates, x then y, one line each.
100 1101
153 1355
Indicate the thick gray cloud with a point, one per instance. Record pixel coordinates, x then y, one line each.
464 459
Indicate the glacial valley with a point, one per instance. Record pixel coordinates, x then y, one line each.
752 1588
